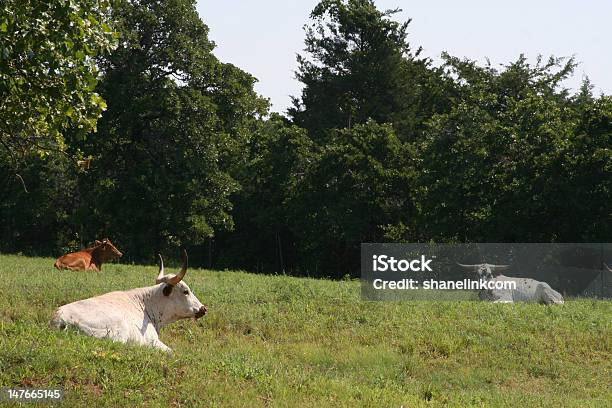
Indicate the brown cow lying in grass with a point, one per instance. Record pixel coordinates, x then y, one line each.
91 258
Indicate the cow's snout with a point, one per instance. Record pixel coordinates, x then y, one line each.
120 254
201 312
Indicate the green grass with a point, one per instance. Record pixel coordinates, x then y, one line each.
281 341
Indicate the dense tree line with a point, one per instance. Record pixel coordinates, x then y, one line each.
381 145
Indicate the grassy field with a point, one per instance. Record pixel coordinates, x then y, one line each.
281 341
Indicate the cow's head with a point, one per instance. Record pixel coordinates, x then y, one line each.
180 302
485 271
106 251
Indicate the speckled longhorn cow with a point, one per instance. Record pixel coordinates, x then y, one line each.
135 315
527 290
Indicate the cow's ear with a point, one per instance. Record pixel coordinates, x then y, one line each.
98 242
167 290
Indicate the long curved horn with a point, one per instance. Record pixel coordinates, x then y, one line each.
498 268
179 277
469 267
607 267
160 276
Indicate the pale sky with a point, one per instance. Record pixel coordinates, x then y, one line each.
263 37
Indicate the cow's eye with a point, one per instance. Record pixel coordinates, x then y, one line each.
185 292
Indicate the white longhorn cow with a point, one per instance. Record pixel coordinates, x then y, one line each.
135 315
526 290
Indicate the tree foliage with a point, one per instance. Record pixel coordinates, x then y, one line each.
509 163
38 221
47 71
176 119
359 66
279 156
381 145
359 184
